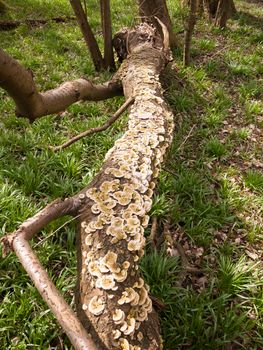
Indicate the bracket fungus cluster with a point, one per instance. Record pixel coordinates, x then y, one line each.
113 295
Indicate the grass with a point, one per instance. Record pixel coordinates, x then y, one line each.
209 192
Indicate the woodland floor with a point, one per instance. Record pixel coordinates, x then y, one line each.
210 194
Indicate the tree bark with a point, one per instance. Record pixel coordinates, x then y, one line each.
88 35
113 301
189 28
222 13
18 82
107 34
148 9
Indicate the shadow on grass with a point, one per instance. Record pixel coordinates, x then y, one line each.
250 20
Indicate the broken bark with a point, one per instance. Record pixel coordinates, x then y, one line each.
113 302
88 35
18 82
189 28
149 9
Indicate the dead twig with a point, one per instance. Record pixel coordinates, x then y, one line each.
54 232
91 131
153 233
186 138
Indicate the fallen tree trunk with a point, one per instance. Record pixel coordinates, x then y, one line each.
112 294
113 302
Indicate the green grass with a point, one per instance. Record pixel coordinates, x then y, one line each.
209 193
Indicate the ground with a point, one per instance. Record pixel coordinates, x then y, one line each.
207 270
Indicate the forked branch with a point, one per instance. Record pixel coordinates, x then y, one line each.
18 242
19 83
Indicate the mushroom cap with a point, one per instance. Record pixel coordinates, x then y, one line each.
124 344
110 261
106 282
118 316
143 296
93 268
116 334
127 296
121 275
131 326
139 283
89 240
135 300
134 245
126 265
140 336
96 305
142 315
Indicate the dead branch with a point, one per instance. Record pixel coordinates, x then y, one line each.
186 138
154 229
18 242
18 82
166 40
64 314
32 22
91 131
88 35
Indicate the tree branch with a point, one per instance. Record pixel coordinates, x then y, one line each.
18 82
91 131
18 241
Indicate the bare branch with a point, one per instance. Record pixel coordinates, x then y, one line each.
18 241
77 334
18 82
91 131
153 232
